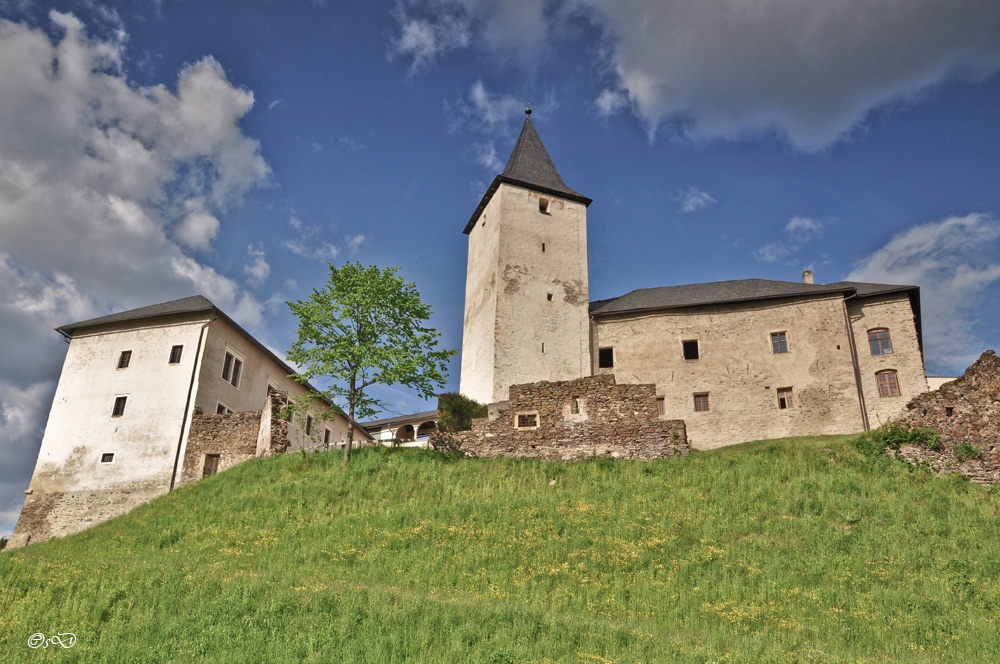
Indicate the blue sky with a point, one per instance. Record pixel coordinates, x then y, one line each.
153 150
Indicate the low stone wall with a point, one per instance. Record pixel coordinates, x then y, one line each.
575 419
966 410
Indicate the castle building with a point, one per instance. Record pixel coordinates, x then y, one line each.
737 360
151 399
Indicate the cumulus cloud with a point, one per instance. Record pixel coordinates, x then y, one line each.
953 261
255 265
104 187
809 71
797 232
694 199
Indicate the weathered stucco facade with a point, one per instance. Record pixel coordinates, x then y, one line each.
132 387
737 360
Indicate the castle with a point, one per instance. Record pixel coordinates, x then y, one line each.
736 360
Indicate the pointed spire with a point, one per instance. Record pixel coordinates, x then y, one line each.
531 167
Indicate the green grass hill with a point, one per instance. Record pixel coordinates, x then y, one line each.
798 550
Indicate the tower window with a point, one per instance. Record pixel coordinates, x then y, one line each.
549 297
606 358
543 205
879 342
690 349
785 398
119 408
175 354
124 359
108 457
779 342
543 247
888 385
661 406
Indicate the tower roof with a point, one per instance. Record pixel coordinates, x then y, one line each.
531 167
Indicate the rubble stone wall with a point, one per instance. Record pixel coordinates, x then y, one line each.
575 419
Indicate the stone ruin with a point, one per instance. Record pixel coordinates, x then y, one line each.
965 410
572 420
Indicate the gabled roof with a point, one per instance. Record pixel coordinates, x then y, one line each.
185 305
529 166
740 290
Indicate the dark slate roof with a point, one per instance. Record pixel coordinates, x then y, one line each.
192 304
529 166
740 290
423 417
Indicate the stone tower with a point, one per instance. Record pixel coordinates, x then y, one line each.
526 295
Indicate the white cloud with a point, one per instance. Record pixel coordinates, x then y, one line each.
354 242
809 71
277 103
694 199
317 251
803 229
104 187
23 410
953 261
255 266
772 253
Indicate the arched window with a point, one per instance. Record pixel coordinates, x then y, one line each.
888 385
879 341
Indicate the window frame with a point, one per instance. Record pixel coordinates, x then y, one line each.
877 344
104 458
602 353
222 409
701 402
661 406
891 382
525 426
121 401
786 398
684 350
217 458
177 349
779 343
124 359
232 368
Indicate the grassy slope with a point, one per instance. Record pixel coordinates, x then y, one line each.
781 551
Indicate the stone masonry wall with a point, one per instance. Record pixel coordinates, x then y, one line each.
575 419
965 410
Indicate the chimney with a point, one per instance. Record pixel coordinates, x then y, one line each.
807 276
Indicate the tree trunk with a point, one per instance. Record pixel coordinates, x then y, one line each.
350 428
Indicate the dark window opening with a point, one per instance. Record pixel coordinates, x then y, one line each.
309 424
543 247
691 349
785 398
879 342
119 408
605 358
326 437
124 359
661 406
175 354
779 342
701 402
107 457
549 296
543 205
574 406
211 465
949 411
222 409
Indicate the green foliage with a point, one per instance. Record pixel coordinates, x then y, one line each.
457 411
894 435
965 451
365 327
780 552
3 543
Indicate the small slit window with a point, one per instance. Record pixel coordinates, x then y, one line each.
124 359
108 457
606 358
119 407
175 355
701 402
661 406
309 425
543 205
785 398
574 406
326 436
690 347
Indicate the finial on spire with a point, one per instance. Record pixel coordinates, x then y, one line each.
527 111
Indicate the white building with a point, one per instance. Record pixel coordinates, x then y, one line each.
134 386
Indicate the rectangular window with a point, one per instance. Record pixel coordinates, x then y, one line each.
107 457
888 385
119 408
326 437
124 359
222 409
543 205
232 367
779 343
211 465
527 420
879 342
691 350
574 407
701 402
785 398
605 358
309 424
661 406
175 354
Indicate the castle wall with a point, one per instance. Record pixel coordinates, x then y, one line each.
576 419
479 326
892 312
737 368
